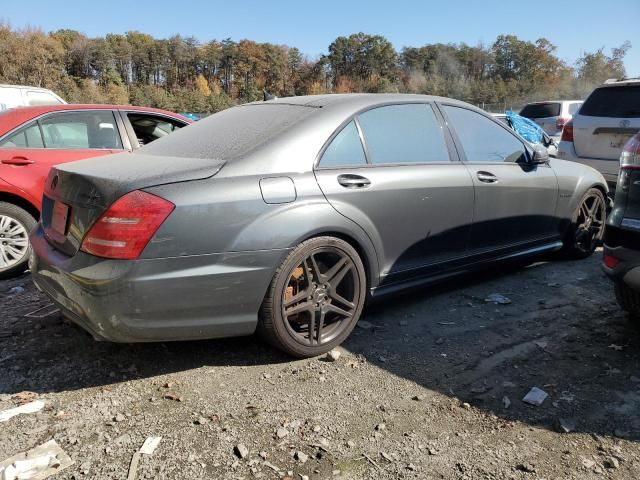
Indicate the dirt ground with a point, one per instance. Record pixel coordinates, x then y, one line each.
429 385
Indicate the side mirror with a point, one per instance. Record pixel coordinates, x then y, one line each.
540 155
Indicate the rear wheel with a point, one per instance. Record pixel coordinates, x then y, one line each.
628 299
587 225
15 226
315 298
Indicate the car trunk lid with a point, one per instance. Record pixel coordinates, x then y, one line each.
77 193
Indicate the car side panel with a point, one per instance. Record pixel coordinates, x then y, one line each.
574 180
229 214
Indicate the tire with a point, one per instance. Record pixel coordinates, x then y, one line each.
628 299
300 312
584 235
15 226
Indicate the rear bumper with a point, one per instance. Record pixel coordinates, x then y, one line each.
627 271
163 299
566 151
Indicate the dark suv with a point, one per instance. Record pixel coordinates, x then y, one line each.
622 235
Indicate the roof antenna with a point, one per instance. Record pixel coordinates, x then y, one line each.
267 95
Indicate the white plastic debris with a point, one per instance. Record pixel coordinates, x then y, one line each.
31 407
498 299
35 464
148 447
150 444
535 397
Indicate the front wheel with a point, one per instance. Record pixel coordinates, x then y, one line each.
15 226
587 225
315 298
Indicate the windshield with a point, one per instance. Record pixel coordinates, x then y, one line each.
613 102
231 133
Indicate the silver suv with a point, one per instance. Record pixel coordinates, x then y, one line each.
609 117
551 115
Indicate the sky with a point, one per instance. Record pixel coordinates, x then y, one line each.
573 26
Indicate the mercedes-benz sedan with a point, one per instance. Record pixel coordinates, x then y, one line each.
285 216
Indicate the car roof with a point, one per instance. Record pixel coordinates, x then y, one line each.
554 101
9 119
356 100
6 85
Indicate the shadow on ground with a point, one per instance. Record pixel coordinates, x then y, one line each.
562 332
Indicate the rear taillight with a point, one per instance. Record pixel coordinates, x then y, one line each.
126 227
561 122
630 156
567 132
610 261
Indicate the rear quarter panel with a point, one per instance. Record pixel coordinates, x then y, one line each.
229 214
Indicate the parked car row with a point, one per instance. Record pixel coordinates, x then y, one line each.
34 139
284 216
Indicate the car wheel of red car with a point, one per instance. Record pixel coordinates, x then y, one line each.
15 226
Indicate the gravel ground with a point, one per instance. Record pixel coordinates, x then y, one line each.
429 385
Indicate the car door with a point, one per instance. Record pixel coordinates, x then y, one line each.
391 170
28 153
515 201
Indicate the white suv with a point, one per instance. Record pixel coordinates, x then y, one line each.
12 96
551 115
608 118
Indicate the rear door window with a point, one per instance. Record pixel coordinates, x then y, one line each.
27 137
345 149
81 130
483 141
541 110
617 102
149 128
400 134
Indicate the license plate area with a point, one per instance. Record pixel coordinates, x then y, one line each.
60 218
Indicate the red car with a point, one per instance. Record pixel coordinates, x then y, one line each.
34 139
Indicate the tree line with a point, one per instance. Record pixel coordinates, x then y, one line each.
183 74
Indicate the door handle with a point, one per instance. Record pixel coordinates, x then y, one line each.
17 160
353 181
487 177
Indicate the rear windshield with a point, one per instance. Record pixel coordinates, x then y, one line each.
541 110
231 133
613 102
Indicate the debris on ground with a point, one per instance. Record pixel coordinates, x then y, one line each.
241 450
35 464
536 397
148 447
498 299
333 355
31 407
24 397
567 425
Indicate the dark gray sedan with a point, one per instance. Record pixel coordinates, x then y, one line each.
285 216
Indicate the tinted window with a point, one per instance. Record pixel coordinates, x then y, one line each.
345 149
41 98
482 139
26 137
403 134
613 102
541 110
574 107
73 130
